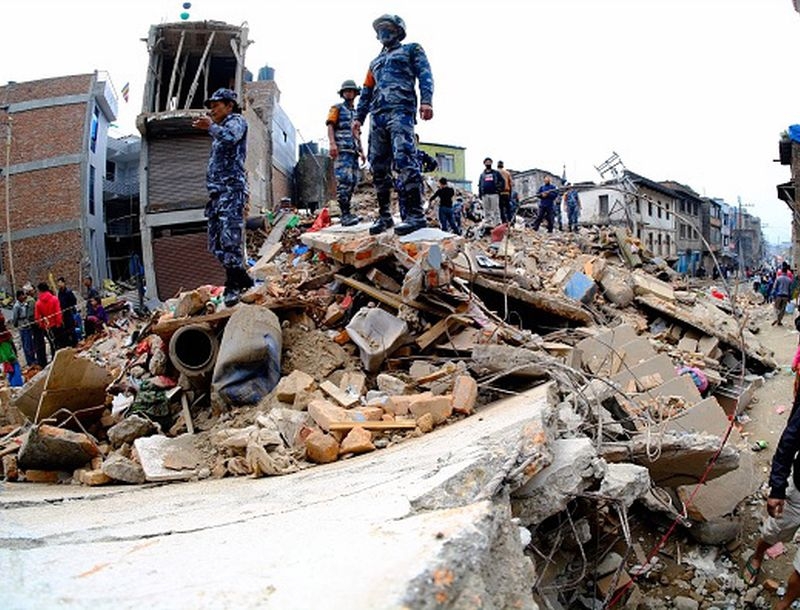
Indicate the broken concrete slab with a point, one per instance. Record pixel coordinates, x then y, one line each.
123 469
705 416
625 482
575 467
661 365
154 455
646 284
431 513
616 287
596 352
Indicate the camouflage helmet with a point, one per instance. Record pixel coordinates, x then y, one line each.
349 84
395 20
221 95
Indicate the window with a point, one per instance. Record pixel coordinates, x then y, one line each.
94 129
669 250
666 208
683 207
638 209
603 205
658 211
447 163
683 231
650 208
91 189
111 171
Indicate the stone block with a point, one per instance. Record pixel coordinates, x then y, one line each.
295 382
358 440
644 283
616 287
353 382
324 413
391 385
33 475
123 469
365 414
10 469
399 405
321 448
50 448
92 477
440 407
129 429
465 394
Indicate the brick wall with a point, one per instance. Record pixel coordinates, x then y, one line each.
44 133
43 197
45 88
36 257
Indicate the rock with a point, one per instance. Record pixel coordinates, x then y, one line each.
685 603
321 448
616 287
325 413
425 423
129 429
358 440
41 476
440 407
465 394
10 469
50 448
123 469
716 532
288 387
92 477
391 385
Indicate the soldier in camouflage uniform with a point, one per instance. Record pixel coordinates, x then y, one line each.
227 188
345 149
390 98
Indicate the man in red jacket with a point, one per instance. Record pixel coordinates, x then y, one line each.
48 316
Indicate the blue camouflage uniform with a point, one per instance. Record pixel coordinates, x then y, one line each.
573 204
426 164
389 96
227 189
345 166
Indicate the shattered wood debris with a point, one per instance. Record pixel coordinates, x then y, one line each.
351 343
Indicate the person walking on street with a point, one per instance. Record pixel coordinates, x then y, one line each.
23 318
345 149
505 193
572 206
547 194
227 188
490 185
388 96
781 292
445 194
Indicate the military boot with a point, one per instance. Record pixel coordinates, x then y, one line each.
384 221
231 294
348 218
415 219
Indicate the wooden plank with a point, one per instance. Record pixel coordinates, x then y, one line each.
374 425
187 414
343 398
437 330
387 298
275 233
167 327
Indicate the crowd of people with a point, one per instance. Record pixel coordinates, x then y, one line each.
47 322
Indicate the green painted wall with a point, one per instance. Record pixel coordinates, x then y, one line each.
458 175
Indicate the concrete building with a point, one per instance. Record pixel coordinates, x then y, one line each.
452 163
121 204
789 154
602 204
688 227
189 61
55 133
654 218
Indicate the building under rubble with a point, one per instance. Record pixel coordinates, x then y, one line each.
187 62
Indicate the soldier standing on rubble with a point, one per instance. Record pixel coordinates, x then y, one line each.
345 149
547 194
227 188
389 97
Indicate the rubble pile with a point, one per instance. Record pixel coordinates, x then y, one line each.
352 343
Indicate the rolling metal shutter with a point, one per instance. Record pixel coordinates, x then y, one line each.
183 262
176 168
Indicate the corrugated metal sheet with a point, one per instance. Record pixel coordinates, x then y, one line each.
183 262
176 168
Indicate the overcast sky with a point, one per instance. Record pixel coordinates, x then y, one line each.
696 91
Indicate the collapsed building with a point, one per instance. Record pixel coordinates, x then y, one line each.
187 62
598 383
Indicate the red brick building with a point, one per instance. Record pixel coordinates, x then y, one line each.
54 135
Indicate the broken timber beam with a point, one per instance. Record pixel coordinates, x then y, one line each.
387 298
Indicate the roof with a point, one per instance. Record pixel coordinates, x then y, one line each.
651 184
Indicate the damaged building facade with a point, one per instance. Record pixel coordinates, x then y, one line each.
55 132
189 61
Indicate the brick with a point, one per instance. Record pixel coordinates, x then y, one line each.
92 477
324 413
10 470
399 405
365 413
465 394
357 440
289 386
439 407
321 448
41 476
